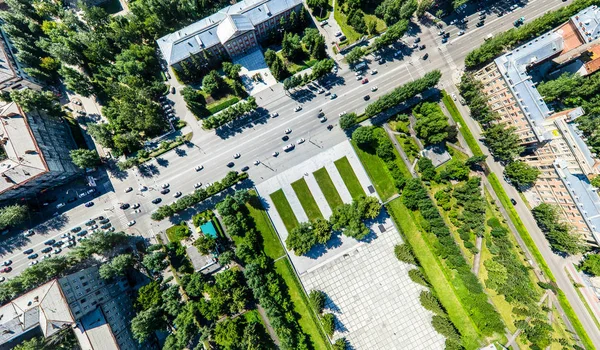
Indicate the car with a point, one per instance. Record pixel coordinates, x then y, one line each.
461 32
245 168
417 39
374 88
123 206
58 244
7 262
104 227
198 185
230 165
297 108
333 96
381 61
89 204
327 93
57 250
172 89
480 24
452 22
513 7
34 262
131 223
444 40
112 229
156 200
90 191
6 269
70 243
236 156
165 191
72 238
60 205
33 256
208 184
513 201
320 114
274 115
128 189
365 80
90 223
93 227
99 218
64 235
257 162
321 91
28 251
482 16
482 13
285 138
46 250
165 185
275 154
76 229
338 33
518 22
414 46
143 188
104 221
323 23
454 96
323 119
425 56
341 113
50 242
81 195
342 38
366 97
300 141
289 147
357 73
46 256
359 77
82 233
29 233
441 32
287 131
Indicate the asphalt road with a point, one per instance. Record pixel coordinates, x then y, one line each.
260 137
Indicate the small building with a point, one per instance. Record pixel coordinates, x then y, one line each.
233 31
437 153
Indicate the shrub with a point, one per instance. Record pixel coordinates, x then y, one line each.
404 253
230 114
340 344
431 303
328 321
317 300
417 276
445 327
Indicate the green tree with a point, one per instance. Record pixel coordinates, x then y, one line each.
348 120
445 327
276 65
596 181
291 48
102 134
36 343
155 261
149 296
502 141
426 168
321 230
591 264
371 26
455 170
363 136
116 266
432 124
355 55
76 81
557 233
328 321
431 303
195 101
84 158
212 83
301 239
404 253
30 100
13 215
232 71
317 5
521 174
317 300
145 323
205 244
228 334
340 344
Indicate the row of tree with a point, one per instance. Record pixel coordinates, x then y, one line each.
319 70
230 114
558 233
198 196
346 218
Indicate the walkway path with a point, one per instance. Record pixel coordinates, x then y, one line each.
400 150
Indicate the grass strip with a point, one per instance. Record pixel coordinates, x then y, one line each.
328 188
160 150
342 20
582 298
307 319
307 200
349 177
223 103
432 267
464 129
271 244
378 173
284 209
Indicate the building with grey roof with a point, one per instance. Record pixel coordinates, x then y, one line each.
230 32
98 312
12 76
36 152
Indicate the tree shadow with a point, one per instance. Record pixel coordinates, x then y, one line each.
319 250
114 170
249 121
162 162
331 305
148 170
180 152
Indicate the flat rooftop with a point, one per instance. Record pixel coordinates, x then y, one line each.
24 159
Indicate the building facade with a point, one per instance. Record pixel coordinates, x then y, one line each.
553 143
233 31
36 153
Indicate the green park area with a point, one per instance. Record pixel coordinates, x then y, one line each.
349 176
284 209
328 188
307 200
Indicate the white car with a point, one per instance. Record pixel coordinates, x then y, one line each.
297 108
374 71
47 256
461 32
338 33
65 235
7 262
356 73
359 77
208 184
275 154
131 223
289 147
236 156
136 205
29 233
81 195
257 162
374 88
34 262
198 185
287 131
300 140
321 91
342 113
177 194
57 251
128 189
274 115
2 279
165 185
199 167
60 205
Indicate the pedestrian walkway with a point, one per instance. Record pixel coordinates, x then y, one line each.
338 182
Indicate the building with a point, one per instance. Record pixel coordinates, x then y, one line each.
34 152
231 32
98 312
553 143
12 75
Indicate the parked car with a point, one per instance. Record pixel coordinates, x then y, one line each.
131 223
198 185
28 251
104 221
128 189
177 194
156 200
50 242
7 262
6 269
300 141
165 185
287 131
333 96
289 147
199 167
29 233
230 164
165 191
90 223
33 256
136 205
257 162
236 156
245 168
123 206
89 204
105 226
76 229
46 250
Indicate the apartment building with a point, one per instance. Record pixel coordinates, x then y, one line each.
35 152
553 143
12 76
99 313
233 31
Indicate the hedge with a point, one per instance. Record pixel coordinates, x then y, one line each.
230 114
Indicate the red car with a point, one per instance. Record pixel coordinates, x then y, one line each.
7 269
365 80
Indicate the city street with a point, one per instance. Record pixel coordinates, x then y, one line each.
260 137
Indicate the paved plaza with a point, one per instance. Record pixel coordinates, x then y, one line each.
254 63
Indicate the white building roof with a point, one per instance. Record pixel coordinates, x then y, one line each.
232 26
587 22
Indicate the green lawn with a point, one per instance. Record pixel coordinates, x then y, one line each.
284 209
222 103
405 221
464 129
271 243
307 200
177 233
349 177
299 64
409 146
349 32
378 173
328 188
308 320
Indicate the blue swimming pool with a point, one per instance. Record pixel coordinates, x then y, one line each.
209 229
